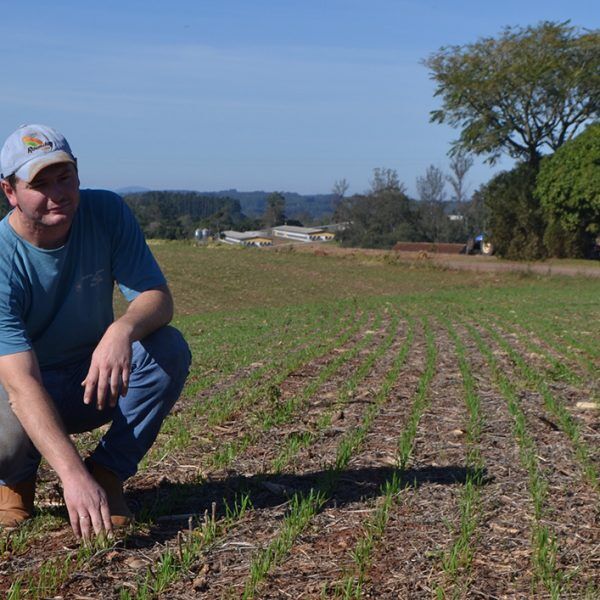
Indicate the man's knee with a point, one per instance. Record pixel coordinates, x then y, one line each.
167 348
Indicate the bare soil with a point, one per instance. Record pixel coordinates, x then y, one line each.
449 258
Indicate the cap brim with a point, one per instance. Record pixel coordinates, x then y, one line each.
30 169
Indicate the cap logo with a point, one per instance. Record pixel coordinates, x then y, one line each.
34 144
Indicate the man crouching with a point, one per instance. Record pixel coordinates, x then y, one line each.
66 365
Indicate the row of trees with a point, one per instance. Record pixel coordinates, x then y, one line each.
176 215
385 214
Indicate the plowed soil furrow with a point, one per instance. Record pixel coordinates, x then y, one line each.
346 417
501 566
381 443
544 425
407 561
572 510
554 352
577 399
257 458
322 552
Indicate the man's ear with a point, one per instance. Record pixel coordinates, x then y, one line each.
9 192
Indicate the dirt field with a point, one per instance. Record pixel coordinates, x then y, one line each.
431 447
453 260
429 248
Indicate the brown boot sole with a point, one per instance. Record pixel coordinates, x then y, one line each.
120 515
8 522
121 521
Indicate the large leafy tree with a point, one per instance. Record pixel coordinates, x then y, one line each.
526 91
568 187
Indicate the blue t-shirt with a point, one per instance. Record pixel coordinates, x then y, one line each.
59 302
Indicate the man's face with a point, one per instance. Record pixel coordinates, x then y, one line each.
50 200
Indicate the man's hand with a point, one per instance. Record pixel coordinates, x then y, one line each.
111 361
108 375
34 408
87 505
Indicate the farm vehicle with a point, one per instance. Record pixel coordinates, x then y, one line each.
480 244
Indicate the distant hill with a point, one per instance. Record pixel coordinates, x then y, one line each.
132 189
253 204
316 206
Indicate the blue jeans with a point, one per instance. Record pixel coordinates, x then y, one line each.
159 367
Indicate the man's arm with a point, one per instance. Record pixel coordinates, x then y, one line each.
85 499
108 375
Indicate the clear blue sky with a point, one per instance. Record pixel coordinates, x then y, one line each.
246 94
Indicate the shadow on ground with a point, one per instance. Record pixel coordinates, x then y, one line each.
163 510
170 505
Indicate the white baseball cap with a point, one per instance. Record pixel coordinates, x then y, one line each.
30 149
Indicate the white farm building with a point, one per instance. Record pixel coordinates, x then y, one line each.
303 234
247 238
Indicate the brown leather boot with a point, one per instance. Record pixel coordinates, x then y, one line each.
16 502
120 515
